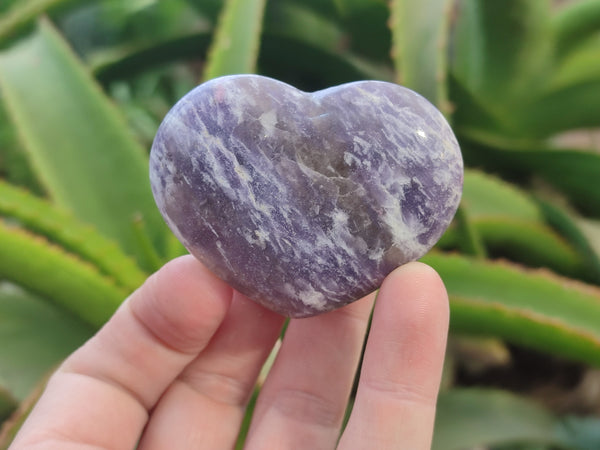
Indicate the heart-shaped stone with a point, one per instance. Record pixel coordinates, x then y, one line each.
305 201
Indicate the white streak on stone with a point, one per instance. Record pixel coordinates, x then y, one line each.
268 120
312 298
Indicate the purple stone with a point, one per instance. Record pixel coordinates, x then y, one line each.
305 201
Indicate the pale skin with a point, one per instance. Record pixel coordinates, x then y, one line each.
176 364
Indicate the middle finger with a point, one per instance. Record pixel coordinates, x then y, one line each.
303 400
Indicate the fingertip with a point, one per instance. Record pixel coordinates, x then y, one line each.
422 273
185 274
410 322
181 301
421 286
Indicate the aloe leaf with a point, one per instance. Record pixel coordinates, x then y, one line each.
501 48
534 308
578 66
127 60
286 46
7 404
175 248
575 23
151 256
290 19
14 165
485 195
78 142
471 110
348 7
468 239
284 40
157 33
567 107
61 227
58 276
534 244
237 39
580 433
510 223
366 23
574 172
35 337
22 13
420 46
591 230
327 8
571 87
477 418
208 8
582 234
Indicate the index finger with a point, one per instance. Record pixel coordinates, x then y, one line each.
112 381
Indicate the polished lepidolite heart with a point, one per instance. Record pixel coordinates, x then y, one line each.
305 201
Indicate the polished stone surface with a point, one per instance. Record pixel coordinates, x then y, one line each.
305 201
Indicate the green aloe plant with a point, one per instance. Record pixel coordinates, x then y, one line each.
84 85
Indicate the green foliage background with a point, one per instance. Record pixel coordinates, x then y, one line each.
84 85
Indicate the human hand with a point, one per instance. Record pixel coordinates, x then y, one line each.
176 364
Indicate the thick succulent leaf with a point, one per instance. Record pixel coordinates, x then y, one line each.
469 110
120 40
504 55
208 8
510 223
62 228
533 244
420 46
463 235
78 142
569 99
35 337
580 433
367 25
347 7
477 418
567 107
286 47
574 24
591 230
55 275
534 308
580 66
501 48
237 39
7 403
582 234
127 60
292 19
14 165
488 196
574 172
22 13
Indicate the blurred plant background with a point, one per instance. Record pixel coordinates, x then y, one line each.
84 85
